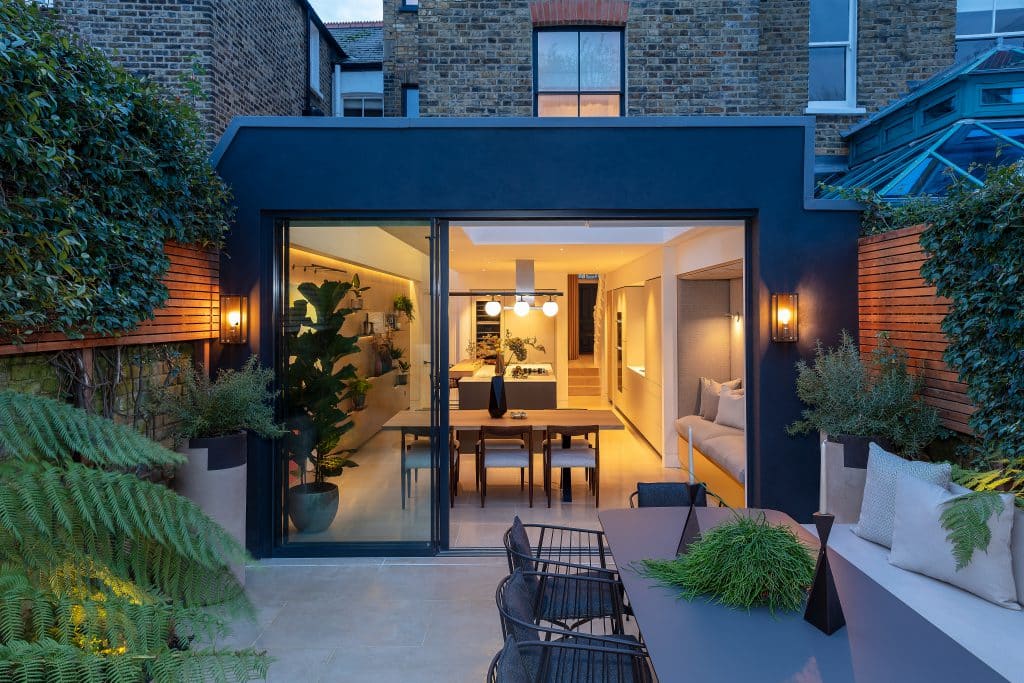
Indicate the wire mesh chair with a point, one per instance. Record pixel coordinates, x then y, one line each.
668 494
569 662
557 549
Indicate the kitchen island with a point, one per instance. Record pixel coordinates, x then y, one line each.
536 390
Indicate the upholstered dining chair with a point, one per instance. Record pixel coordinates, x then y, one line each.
504 447
571 447
415 455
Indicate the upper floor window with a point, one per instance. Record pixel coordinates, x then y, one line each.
411 101
579 72
832 57
980 24
314 58
354 104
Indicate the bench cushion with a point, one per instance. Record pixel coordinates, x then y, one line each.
728 452
990 632
703 429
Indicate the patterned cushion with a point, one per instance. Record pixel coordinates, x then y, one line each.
519 543
518 604
879 505
511 668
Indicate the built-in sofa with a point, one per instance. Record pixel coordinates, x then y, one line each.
719 457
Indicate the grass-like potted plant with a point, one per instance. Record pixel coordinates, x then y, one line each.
316 386
213 418
402 377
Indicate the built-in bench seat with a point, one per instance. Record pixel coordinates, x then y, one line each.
719 457
990 632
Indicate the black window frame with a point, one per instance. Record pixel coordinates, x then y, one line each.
621 92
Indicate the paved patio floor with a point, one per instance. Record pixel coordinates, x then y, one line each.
381 620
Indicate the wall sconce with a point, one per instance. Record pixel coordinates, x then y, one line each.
234 319
785 317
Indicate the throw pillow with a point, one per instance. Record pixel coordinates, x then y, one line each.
1016 545
510 667
732 409
879 505
517 603
709 392
919 543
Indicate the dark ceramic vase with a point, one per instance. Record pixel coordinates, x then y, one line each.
312 507
497 405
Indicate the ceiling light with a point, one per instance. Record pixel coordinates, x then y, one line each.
492 308
521 308
550 308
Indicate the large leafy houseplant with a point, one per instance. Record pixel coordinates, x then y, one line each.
315 389
877 398
105 576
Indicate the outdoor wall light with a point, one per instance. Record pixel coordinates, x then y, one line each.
492 308
785 317
550 308
234 319
521 308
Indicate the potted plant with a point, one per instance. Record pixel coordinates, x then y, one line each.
852 401
383 345
357 391
212 420
403 373
316 387
403 304
357 300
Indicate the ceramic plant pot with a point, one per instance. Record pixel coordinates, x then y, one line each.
312 507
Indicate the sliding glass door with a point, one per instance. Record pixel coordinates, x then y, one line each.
361 377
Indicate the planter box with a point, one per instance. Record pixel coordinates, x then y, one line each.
843 481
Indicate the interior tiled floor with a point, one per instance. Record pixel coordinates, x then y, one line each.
421 619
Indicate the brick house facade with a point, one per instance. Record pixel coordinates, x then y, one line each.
702 57
250 57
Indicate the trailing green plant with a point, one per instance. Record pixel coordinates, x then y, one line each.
105 576
403 304
744 563
316 379
877 397
101 168
238 400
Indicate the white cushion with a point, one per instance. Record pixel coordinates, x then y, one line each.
709 393
732 409
504 457
728 452
702 429
879 505
417 459
919 543
573 457
990 633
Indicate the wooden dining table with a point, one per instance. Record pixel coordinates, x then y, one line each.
537 420
883 641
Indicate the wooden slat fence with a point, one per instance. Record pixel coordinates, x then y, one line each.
192 311
894 298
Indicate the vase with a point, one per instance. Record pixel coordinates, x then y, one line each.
497 405
824 610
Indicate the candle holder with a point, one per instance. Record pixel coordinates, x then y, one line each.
691 529
823 607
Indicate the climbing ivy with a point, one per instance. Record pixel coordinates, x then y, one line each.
100 168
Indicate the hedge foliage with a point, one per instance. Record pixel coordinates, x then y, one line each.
100 168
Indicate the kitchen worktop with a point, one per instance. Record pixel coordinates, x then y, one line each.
485 372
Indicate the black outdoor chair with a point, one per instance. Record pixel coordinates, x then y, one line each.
601 653
667 494
557 549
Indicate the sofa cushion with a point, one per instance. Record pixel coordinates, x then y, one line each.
919 543
989 632
879 504
703 430
1016 545
709 393
732 409
730 453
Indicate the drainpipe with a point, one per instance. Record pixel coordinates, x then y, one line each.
307 109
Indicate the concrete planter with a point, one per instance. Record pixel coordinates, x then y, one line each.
312 507
843 482
214 478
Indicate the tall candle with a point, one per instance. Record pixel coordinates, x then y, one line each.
689 440
823 495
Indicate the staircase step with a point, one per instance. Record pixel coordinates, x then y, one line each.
584 381
584 372
584 391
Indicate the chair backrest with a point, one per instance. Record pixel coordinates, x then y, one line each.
667 494
517 603
518 548
523 432
555 431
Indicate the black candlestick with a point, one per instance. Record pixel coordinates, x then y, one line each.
823 607
691 530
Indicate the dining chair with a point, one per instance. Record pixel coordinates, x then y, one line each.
557 549
415 456
568 447
504 447
665 494
567 661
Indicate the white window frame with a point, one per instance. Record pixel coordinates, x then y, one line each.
992 25
360 96
314 58
849 105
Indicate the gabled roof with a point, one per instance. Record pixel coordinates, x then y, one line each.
363 41
1001 58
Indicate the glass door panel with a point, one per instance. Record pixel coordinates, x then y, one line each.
358 463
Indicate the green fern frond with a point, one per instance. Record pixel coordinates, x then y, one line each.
204 666
48 660
966 519
38 428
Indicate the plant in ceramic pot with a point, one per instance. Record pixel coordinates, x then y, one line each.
212 419
316 386
357 291
403 373
357 391
403 304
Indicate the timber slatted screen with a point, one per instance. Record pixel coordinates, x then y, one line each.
192 311
894 298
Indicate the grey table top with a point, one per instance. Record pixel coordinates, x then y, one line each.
884 640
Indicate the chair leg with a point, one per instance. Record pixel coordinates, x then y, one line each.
531 478
483 484
522 478
597 487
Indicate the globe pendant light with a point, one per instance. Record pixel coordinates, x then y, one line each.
550 308
492 308
521 308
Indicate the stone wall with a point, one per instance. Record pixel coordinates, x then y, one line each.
248 56
705 57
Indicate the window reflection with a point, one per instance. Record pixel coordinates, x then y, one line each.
579 73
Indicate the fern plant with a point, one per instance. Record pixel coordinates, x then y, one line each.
966 519
105 576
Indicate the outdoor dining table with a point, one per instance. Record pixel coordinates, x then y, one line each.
537 420
883 640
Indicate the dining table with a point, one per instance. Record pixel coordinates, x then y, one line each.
537 420
883 641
